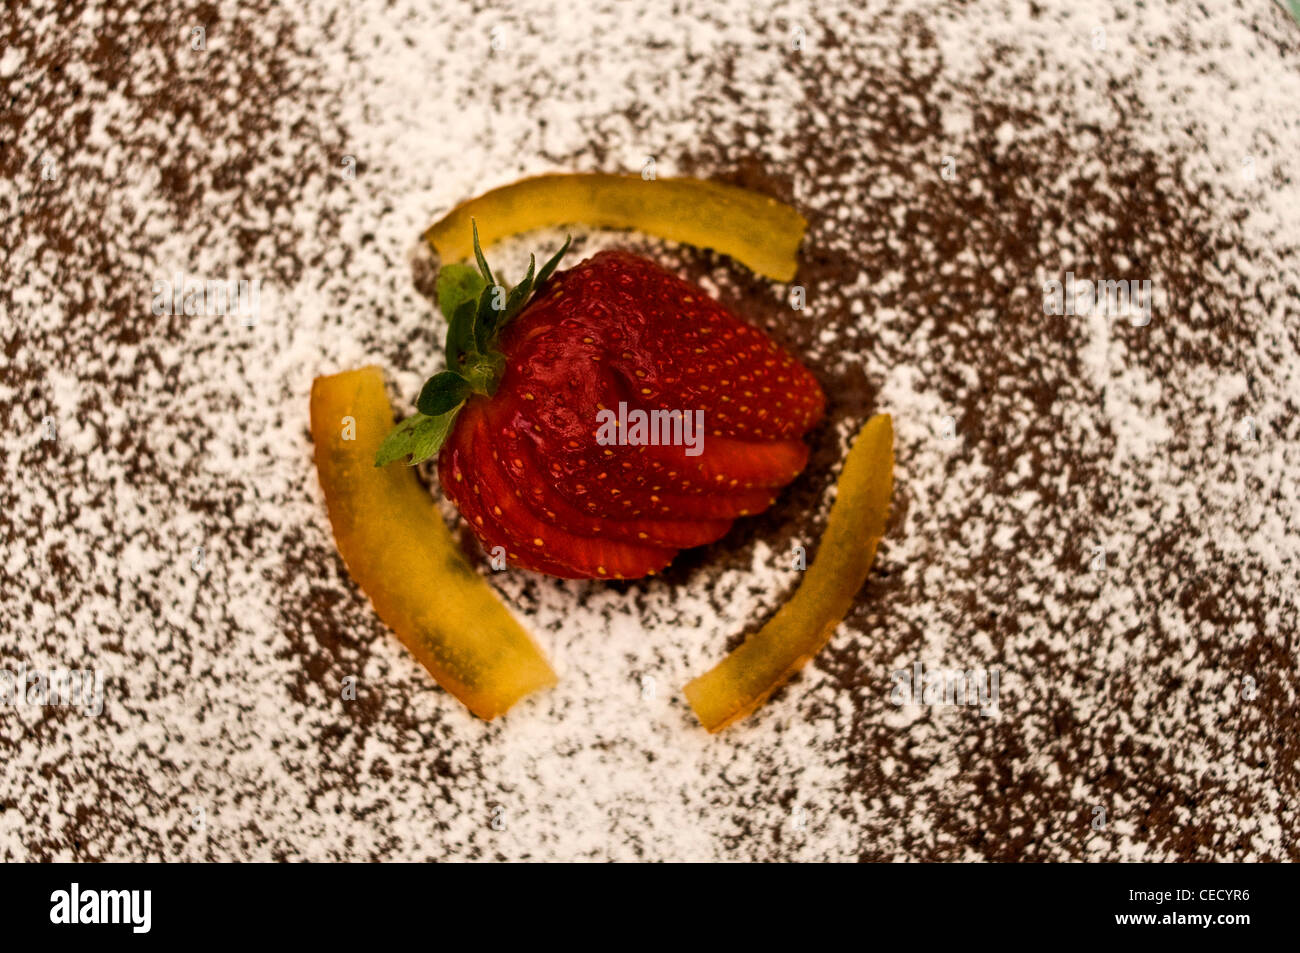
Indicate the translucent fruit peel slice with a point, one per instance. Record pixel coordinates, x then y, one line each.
400 552
756 230
744 680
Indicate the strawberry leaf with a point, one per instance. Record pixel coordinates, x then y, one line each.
520 292
550 266
460 335
456 285
478 255
416 438
476 310
489 316
441 393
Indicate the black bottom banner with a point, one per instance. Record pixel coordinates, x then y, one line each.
132 903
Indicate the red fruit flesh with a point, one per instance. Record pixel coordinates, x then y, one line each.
542 546
520 462
639 504
673 346
618 329
734 464
458 472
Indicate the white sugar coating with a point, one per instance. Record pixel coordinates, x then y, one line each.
174 534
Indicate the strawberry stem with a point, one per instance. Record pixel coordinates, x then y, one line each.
477 311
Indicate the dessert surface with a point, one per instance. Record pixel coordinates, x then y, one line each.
1103 511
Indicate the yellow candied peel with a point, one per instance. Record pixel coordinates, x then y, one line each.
756 230
400 552
743 681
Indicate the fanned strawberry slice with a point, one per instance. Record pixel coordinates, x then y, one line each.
519 461
541 545
562 393
676 347
639 504
459 473
617 417
729 464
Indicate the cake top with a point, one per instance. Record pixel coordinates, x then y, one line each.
1101 511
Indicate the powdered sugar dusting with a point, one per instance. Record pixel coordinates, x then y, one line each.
173 533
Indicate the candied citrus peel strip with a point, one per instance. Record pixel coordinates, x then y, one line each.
758 231
400 552
741 682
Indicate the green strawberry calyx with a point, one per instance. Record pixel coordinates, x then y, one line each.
477 309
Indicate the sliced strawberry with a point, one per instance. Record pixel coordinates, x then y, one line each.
519 460
675 346
613 503
559 409
727 463
459 473
541 543
710 414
